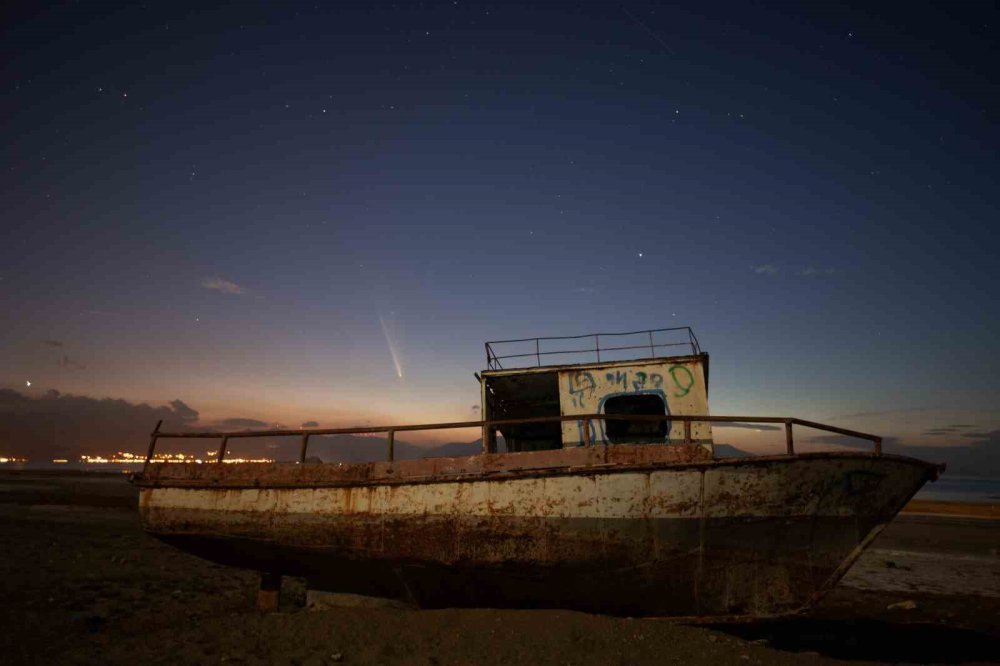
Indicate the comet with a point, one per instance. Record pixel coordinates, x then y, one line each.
393 351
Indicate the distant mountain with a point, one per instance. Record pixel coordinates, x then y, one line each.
355 449
978 457
452 450
58 425
981 458
730 451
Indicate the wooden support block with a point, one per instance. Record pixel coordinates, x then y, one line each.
269 593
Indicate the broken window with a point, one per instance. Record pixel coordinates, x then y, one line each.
525 396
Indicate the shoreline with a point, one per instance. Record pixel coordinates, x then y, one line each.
979 510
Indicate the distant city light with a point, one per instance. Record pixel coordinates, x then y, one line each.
126 458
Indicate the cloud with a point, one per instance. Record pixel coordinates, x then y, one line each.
848 441
991 438
65 426
244 423
770 270
58 425
978 458
954 429
813 271
67 362
746 426
183 412
223 285
891 412
64 361
310 424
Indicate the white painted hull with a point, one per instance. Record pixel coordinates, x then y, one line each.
748 537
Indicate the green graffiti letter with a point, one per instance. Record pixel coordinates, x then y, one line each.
683 380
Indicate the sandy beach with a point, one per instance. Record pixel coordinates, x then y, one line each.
83 584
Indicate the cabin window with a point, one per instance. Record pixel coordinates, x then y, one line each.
636 432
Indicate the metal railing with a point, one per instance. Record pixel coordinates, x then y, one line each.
489 429
493 359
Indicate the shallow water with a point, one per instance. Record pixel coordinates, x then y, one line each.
962 489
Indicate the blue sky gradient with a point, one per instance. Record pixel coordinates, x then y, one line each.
220 205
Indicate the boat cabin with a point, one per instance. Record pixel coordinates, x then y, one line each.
632 374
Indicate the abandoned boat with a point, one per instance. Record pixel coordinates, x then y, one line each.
602 494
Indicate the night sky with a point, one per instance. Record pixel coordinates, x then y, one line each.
318 212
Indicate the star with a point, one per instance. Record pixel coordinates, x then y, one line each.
28 384
640 255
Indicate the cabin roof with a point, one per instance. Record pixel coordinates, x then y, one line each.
591 349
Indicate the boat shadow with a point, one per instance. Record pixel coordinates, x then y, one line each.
872 640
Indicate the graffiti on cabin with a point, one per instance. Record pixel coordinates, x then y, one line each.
583 388
677 384
683 379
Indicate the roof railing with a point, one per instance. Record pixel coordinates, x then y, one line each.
489 430
533 348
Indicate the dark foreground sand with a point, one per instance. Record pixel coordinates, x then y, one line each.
80 583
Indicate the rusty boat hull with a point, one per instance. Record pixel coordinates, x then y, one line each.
637 530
